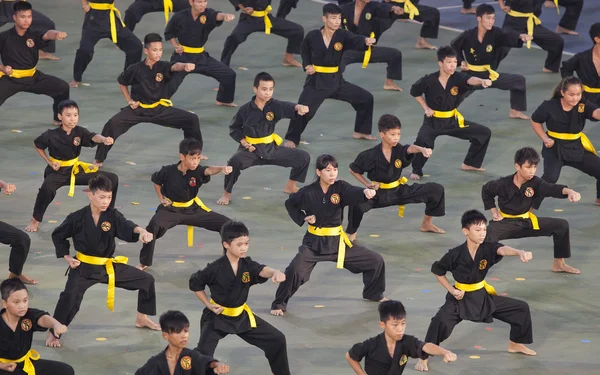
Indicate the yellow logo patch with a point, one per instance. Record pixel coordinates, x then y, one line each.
529 192
246 277
76 141
105 226
454 90
270 116
26 325
398 163
186 362
335 198
159 77
338 46
482 265
368 16
489 48
403 360
203 19
581 108
30 43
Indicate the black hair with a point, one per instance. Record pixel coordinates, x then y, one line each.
527 154
564 84
595 31
472 217
100 182
190 146
391 310
21 6
324 160
173 322
388 122
9 286
68 103
331 9
151 38
484 9
232 230
263 76
445 52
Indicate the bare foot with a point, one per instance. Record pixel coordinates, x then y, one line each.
414 177
226 104
352 237
431 228
33 226
391 86
548 70
141 267
381 300
74 84
369 137
277 312
291 187
97 163
289 60
463 11
48 56
25 279
142 321
225 198
559 265
562 30
424 44
518 114
422 365
597 202
513 347
289 144
52 341
465 167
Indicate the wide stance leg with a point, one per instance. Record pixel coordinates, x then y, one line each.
296 274
19 243
517 314
272 342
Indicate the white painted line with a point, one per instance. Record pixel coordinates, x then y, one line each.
458 6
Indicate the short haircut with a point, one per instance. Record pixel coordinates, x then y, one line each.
527 154
190 146
9 286
595 31
484 9
21 6
445 52
100 182
331 9
391 310
68 103
388 122
151 38
232 230
324 160
472 217
264 77
173 322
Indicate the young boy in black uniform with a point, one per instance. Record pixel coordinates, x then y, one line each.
383 165
443 91
229 279
149 101
93 230
514 218
429 16
322 52
103 21
321 205
256 17
64 167
19 52
587 66
188 32
139 8
254 128
175 328
17 326
388 352
471 297
477 53
177 187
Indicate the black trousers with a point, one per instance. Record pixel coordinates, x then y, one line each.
468 4
571 13
430 193
40 84
19 243
358 259
391 56
54 180
137 10
265 337
166 218
38 21
169 117
44 367
285 7
208 66
430 17
360 99
247 25
521 228
515 83
293 158
478 135
594 98
86 275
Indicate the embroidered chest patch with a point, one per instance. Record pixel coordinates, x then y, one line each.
454 90
398 163
105 226
403 360
246 277
335 198
186 362
529 192
482 264
76 141
270 116
159 77
193 181
338 46
26 325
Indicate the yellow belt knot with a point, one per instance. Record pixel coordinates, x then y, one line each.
265 140
367 57
409 8
528 215
110 270
482 68
187 49
168 5
163 102
113 23
591 90
585 141
326 69
190 229
28 367
237 311
21 73
265 15
392 185
76 164
449 114
531 20
333 232
473 287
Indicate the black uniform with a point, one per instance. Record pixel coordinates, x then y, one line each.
468 4
477 306
179 187
321 86
22 53
98 240
370 22
137 10
429 16
63 146
148 86
468 48
328 209
377 356
96 26
571 13
439 98
569 153
229 289
194 33
251 121
15 344
19 243
38 21
583 64
247 25
190 362
379 169
517 201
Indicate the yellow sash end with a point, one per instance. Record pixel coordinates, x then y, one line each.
591 90
163 102
187 49
367 57
409 8
331 232
473 287
482 68
237 311
113 22
557 10
75 163
449 114
110 270
531 20
585 141
21 73
265 140
28 367
326 69
528 215
265 15
392 185
168 6
190 229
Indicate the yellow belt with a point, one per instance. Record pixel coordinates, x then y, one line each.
265 140
326 69
585 141
28 367
528 215
110 270
409 8
113 23
75 163
265 14
449 114
190 229
473 287
367 57
187 49
237 311
21 73
334 231
163 102
531 19
168 5
392 185
592 90
556 3
482 68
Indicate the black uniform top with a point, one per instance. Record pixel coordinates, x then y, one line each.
148 84
15 344
516 201
583 64
314 52
328 209
468 47
375 165
190 32
228 290
557 120
377 356
258 5
439 98
21 52
179 187
63 146
477 306
369 18
91 239
255 123
194 363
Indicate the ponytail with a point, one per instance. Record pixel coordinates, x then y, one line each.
564 85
